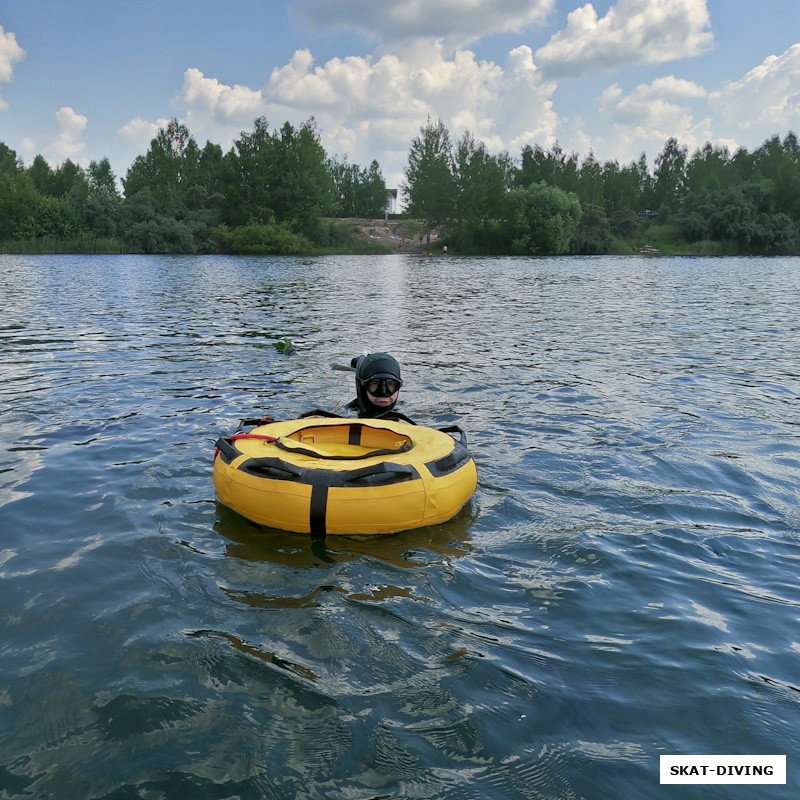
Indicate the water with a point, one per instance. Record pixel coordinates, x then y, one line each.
623 585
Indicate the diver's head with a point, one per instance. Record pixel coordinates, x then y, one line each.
378 383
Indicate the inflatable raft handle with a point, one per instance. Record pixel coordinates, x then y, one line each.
329 452
454 429
254 421
381 474
226 449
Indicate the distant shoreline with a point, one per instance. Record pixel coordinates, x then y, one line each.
407 236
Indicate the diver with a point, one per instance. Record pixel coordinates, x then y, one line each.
378 385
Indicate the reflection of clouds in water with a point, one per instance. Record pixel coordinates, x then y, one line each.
24 349
17 466
5 556
92 543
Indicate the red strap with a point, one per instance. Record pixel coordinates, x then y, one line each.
237 436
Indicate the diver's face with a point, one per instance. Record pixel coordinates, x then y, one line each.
382 392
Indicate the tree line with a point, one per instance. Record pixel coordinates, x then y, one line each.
277 191
274 191
550 201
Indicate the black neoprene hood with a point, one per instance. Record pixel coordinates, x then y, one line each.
379 365
369 366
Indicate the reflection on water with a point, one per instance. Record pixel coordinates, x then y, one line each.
432 545
623 584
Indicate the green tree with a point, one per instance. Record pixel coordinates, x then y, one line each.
708 170
481 181
169 167
281 175
18 202
42 176
179 227
554 167
9 163
103 205
542 219
372 191
56 218
429 184
357 191
40 202
532 168
592 234
776 164
167 209
19 198
345 182
102 180
590 181
212 172
303 187
622 189
742 218
69 180
646 182
669 187
252 169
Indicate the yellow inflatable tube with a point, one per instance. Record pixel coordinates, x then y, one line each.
345 476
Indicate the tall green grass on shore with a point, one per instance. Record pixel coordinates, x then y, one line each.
48 246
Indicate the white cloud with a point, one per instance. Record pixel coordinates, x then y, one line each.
371 108
660 104
743 113
67 143
766 100
644 119
633 31
139 132
526 115
299 84
455 23
10 54
229 103
136 136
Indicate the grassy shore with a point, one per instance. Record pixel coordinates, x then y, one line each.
383 237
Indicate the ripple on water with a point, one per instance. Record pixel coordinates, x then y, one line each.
623 584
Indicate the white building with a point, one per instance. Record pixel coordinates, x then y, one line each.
391 202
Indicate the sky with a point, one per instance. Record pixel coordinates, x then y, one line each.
88 79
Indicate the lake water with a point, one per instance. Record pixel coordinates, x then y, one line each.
624 584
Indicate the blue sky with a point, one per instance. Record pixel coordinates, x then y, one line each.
84 80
